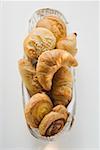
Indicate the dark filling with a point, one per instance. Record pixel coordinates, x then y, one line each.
55 127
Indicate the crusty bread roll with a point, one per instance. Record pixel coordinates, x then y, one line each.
55 25
38 41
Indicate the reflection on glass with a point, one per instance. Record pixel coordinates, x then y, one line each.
51 146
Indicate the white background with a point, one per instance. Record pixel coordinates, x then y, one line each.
83 19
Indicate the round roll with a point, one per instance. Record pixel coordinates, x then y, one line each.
55 25
38 41
52 124
37 107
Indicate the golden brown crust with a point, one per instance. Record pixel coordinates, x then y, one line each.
48 64
61 109
61 91
29 78
54 24
38 106
38 41
69 44
52 123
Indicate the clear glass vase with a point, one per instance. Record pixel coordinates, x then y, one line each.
37 15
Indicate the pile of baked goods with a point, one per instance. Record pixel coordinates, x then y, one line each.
45 71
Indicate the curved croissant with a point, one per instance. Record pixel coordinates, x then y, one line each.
61 91
52 123
48 64
68 44
28 74
38 41
54 24
37 107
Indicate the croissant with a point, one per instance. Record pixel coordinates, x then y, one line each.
37 107
68 44
54 24
48 64
61 91
52 123
28 74
38 41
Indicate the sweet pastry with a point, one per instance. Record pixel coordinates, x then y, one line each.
61 109
48 64
61 91
38 41
69 44
29 78
37 107
52 124
54 24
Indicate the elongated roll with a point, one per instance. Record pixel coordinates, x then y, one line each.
29 78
